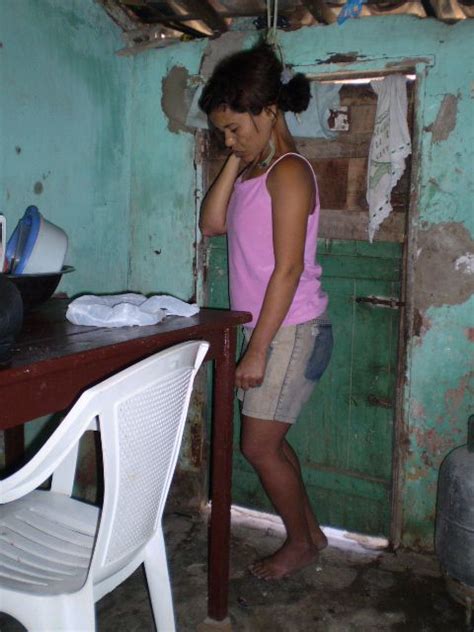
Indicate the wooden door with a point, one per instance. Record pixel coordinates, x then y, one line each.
344 434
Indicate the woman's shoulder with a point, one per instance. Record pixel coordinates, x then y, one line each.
291 166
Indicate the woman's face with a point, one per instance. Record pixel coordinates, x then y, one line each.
245 134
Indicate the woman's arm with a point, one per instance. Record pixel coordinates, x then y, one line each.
213 216
291 187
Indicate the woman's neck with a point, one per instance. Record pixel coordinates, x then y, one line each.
284 141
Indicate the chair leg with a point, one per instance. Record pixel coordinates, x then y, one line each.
61 613
81 618
156 569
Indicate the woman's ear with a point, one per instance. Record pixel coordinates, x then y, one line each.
272 111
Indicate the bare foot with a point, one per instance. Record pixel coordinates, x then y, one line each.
319 539
287 560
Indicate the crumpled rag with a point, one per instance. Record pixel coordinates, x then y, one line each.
124 310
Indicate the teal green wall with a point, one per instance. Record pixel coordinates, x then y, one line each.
64 128
163 207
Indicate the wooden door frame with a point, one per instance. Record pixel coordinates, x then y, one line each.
401 442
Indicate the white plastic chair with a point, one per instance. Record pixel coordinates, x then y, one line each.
58 555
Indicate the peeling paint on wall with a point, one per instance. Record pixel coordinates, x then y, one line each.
338 58
175 99
421 324
465 263
440 400
439 275
454 397
446 119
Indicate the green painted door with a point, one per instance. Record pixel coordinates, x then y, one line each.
344 434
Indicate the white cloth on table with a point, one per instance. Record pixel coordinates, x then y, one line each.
389 147
122 310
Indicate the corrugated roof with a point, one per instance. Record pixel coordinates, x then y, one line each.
153 23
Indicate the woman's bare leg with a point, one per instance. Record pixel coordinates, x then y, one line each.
317 535
262 444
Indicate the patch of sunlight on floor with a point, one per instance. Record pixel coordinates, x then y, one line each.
338 538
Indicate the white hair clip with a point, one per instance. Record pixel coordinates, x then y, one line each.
286 75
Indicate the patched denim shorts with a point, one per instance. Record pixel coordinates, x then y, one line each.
297 358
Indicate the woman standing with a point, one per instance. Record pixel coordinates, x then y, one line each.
266 199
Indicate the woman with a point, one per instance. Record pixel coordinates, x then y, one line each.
266 199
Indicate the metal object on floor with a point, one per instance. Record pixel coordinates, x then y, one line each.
463 594
455 522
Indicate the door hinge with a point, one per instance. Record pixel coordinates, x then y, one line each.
391 302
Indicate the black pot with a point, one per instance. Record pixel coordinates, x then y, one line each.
11 317
35 289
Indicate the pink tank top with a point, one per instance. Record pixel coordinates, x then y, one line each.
251 255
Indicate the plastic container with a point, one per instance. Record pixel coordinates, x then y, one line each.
36 245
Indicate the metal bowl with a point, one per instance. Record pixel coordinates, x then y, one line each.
35 289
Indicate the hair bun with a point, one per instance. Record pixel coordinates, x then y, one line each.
295 95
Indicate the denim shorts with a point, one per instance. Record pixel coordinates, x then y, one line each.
297 358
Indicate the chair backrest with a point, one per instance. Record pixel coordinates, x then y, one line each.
141 412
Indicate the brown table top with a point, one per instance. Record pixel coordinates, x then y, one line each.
46 334
53 357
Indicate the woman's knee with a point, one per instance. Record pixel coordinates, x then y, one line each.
261 441
257 453
250 451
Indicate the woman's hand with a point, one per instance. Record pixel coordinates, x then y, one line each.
236 162
250 370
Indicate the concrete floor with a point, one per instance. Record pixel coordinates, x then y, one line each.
349 589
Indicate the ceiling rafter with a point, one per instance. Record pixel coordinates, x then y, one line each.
160 22
206 13
126 20
320 11
165 19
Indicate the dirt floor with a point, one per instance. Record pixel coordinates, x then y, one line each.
350 588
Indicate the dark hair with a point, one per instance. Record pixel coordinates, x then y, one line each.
250 80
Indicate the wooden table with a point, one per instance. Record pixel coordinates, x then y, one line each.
54 361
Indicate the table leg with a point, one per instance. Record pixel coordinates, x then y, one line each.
14 446
219 530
